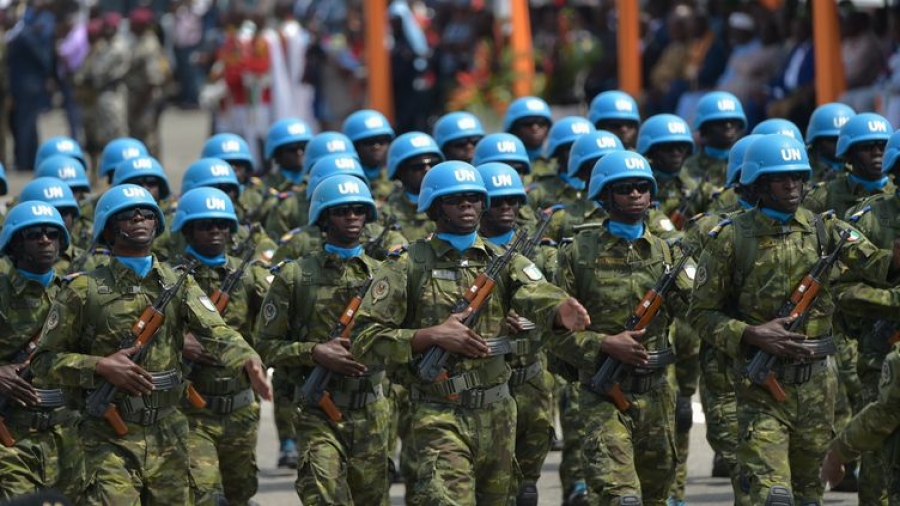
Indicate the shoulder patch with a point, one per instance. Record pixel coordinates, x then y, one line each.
886 374
269 312
666 224
380 289
53 318
701 276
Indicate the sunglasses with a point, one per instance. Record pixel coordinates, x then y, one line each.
130 214
785 177
36 233
294 146
530 122
146 181
68 211
357 209
509 200
372 141
207 224
626 188
422 165
463 143
459 198
870 146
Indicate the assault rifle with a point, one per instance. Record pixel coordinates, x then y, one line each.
373 245
538 235
314 391
222 295
81 259
101 402
884 334
433 365
761 368
609 375
22 357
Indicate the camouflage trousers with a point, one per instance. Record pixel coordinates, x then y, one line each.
782 444
464 456
34 462
148 466
344 462
873 479
534 426
720 409
223 455
686 345
632 452
285 407
571 468
891 455
399 428
143 123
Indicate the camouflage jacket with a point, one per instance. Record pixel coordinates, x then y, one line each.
24 305
549 191
413 224
839 195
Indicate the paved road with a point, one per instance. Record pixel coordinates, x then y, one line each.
183 136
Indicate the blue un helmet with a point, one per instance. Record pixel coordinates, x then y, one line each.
589 147
566 131
365 124
613 104
891 152
719 105
827 120
339 190
526 107
228 147
863 127
209 172
31 213
145 166
286 131
324 144
204 203
502 147
663 129
332 165
778 126
119 150
60 145
773 154
501 180
52 191
456 125
407 146
736 159
66 168
119 198
4 186
449 178
616 167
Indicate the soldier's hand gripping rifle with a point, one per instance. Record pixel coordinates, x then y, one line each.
607 380
314 391
761 368
222 295
433 365
101 402
22 357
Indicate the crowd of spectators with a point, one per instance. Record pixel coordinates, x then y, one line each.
445 55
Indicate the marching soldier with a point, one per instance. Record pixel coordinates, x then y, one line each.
372 134
821 139
617 112
457 134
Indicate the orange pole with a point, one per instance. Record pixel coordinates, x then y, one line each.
520 39
378 62
629 50
830 82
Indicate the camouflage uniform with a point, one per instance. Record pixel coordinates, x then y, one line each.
382 188
345 461
781 444
253 195
549 191
839 195
464 447
413 224
286 210
874 429
822 170
222 438
302 241
35 461
150 463
708 170
563 224
145 80
625 453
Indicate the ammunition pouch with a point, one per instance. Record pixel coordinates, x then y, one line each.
475 398
227 404
48 413
148 409
521 375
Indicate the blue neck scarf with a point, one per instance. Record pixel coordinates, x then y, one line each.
744 204
534 153
574 182
344 253
459 242
140 265
412 197
372 173
295 177
777 215
625 231
718 154
502 239
44 279
216 261
870 186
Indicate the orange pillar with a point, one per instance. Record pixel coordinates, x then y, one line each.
830 82
520 39
378 60
629 50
